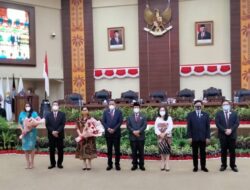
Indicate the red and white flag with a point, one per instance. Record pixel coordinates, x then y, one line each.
46 75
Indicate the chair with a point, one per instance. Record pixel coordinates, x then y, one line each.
74 99
129 96
102 95
213 95
185 96
158 96
243 95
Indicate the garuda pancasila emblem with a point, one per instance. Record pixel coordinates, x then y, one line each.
158 23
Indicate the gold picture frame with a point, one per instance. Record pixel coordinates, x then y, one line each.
116 38
204 33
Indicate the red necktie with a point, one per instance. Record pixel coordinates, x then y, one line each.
227 119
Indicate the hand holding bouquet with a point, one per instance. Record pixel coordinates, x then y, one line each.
29 124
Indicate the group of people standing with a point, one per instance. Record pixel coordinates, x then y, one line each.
198 132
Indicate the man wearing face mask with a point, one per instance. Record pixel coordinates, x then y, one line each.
112 121
198 132
227 122
55 123
136 125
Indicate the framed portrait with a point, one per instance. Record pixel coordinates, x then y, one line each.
204 33
116 39
17 35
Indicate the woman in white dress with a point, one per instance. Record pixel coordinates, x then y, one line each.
163 130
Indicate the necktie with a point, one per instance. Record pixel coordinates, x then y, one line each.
226 116
55 115
198 114
136 117
112 114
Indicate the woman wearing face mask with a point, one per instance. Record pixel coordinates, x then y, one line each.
163 130
86 148
29 140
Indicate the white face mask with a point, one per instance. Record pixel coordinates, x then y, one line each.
136 110
55 108
111 107
27 108
162 113
226 107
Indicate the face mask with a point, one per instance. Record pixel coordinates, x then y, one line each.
55 108
111 107
162 113
226 107
27 108
197 107
136 110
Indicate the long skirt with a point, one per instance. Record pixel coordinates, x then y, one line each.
164 146
86 149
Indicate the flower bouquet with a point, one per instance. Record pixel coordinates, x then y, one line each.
92 128
29 124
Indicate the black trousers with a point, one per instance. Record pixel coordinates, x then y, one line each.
56 143
196 146
113 142
137 148
228 144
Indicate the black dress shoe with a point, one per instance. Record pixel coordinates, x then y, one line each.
84 169
142 168
195 169
118 168
60 166
134 168
109 168
88 169
223 168
235 169
204 169
51 166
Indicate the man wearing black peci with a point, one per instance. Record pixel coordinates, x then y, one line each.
136 125
112 120
198 132
227 122
55 123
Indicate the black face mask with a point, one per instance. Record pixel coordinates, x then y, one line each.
197 107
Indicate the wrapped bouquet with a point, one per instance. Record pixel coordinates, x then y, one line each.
29 124
92 128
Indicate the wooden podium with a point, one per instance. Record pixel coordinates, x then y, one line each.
20 102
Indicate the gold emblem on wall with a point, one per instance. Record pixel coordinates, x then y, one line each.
158 23
245 44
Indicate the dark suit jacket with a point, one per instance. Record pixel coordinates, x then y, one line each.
198 128
220 122
207 36
114 123
55 125
140 125
114 42
3 113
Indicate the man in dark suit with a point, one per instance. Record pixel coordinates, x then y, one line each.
55 123
198 132
227 122
2 112
116 39
136 125
204 34
112 120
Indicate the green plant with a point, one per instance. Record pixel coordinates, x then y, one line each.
8 137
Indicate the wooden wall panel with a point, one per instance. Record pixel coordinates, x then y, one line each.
235 44
159 56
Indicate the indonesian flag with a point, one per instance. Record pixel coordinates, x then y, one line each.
46 75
